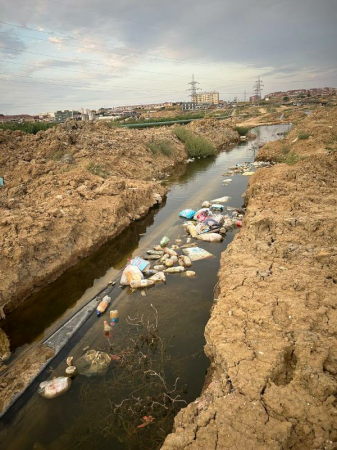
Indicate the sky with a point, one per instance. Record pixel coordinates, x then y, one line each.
66 54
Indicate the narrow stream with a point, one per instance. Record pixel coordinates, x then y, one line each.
84 416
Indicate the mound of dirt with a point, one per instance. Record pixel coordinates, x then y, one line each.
70 189
271 338
316 134
220 132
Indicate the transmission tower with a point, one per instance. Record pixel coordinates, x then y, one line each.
258 88
193 89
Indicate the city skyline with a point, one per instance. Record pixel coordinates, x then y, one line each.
56 55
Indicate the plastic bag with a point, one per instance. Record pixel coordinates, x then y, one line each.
140 263
192 230
217 207
93 363
131 273
221 200
187 213
196 253
201 215
210 237
55 387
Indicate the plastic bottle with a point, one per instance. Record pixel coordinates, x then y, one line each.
114 316
103 305
165 240
107 328
175 269
141 284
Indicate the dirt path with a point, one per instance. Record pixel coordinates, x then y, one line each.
271 338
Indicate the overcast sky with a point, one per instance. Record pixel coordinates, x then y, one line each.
66 54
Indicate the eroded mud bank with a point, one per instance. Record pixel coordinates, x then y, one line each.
271 338
70 189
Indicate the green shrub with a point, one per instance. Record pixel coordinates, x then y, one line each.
164 147
28 127
96 169
196 146
243 131
302 136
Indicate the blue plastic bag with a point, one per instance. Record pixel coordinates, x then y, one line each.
187 213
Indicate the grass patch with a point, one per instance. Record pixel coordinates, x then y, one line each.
243 131
28 127
291 158
96 169
302 136
196 146
164 147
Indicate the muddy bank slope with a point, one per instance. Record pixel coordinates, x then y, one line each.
70 189
271 338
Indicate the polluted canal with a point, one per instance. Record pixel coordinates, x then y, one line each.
139 366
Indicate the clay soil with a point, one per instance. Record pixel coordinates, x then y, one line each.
271 338
70 189
67 191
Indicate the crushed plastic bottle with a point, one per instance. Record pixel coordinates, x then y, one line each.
178 269
141 284
164 242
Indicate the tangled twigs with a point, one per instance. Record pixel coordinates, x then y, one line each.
136 401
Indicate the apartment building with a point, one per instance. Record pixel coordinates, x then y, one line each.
211 98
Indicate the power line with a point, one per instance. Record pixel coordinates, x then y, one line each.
95 63
83 89
89 84
104 45
41 67
193 89
258 88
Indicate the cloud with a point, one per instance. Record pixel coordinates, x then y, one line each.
11 46
284 41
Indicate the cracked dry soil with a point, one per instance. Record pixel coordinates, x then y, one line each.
271 337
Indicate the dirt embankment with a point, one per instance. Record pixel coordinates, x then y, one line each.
70 189
271 338
282 115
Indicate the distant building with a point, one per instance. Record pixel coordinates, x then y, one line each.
189 106
314 92
212 98
254 98
62 116
16 118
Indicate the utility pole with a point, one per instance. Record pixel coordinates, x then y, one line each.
193 89
245 96
258 88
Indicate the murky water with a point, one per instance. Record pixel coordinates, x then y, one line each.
85 416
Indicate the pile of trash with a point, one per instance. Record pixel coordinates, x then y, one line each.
208 224
247 168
